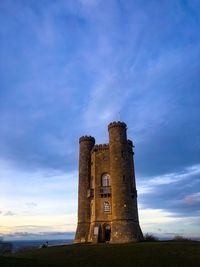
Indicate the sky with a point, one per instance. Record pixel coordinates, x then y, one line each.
69 68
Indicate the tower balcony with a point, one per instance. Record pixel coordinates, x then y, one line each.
105 190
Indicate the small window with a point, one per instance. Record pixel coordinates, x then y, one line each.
106 206
124 178
105 179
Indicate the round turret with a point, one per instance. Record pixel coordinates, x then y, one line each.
124 212
117 124
86 145
86 138
117 133
118 168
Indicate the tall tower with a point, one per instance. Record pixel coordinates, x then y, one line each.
107 206
86 145
125 225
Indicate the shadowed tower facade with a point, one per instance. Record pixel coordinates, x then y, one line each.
107 197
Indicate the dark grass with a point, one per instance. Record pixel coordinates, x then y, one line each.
121 255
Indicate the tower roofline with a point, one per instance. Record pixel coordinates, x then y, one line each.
86 138
117 124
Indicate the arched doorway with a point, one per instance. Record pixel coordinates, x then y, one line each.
107 232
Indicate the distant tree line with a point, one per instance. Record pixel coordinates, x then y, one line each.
148 237
5 247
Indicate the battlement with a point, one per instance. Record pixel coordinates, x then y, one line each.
130 143
130 146
86 138
100 147
117 124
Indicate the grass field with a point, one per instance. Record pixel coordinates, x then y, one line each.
121 255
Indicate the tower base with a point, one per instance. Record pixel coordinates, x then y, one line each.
82 233
125 231
118 231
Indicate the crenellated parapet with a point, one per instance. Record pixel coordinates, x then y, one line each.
117 124
130 146
86 138
100 147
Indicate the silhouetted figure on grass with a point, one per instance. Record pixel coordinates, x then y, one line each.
45 245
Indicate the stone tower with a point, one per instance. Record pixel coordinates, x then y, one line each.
107 201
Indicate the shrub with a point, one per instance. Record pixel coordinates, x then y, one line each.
150 238
180 238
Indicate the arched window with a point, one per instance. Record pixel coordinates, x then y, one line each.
106 206
105 180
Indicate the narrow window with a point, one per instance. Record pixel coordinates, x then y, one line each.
124 178
106 206
105 180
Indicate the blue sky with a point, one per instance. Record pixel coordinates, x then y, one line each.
67 69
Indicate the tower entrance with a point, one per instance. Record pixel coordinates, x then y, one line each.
107 233
104 233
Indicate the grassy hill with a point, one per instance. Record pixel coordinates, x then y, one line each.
122 255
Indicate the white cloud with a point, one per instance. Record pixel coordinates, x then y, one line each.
31 204
9 213
165 224
35 224
99 109
41 199
148 184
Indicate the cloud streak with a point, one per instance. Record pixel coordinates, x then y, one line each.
9 213
177 193
67 70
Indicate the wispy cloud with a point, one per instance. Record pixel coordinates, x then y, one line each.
38 236
165 224
9 213
68 69
171 178
176 193
31 204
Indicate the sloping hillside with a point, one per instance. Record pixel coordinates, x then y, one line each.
126 255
